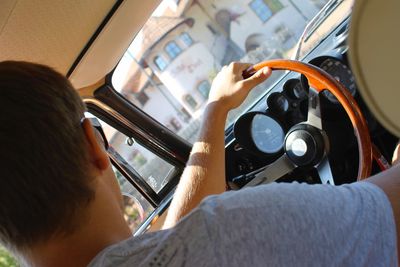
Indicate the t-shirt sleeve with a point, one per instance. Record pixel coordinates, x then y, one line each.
302 225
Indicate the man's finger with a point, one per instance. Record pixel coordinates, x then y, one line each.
243 66
257 77
238 66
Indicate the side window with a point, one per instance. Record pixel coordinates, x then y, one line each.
146 164
160 63
172 49
134 164
136 207
186 39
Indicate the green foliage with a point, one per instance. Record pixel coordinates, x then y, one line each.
6 260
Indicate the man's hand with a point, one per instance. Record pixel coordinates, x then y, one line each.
229 89
204 174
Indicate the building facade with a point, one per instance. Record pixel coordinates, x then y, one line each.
168 69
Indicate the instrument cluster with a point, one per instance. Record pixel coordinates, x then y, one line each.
259 135
267 129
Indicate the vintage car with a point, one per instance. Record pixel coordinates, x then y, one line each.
145 68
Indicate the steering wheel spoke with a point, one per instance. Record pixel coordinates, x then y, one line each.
325 172
273 172
314 109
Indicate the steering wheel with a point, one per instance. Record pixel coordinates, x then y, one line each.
306 143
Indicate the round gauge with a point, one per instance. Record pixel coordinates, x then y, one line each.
298 91
295 89
341 73
267 134
278 103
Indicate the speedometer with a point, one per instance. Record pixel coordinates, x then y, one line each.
267 134
341 73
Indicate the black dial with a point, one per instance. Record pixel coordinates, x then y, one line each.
341 73
295 89
278 103
299 92
267 134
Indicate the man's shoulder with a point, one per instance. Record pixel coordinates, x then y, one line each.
286 193
338 225
186 244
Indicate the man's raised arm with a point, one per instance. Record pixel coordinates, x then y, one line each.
205 170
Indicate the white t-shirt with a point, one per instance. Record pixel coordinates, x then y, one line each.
272 225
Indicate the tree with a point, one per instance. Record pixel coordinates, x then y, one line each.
6 260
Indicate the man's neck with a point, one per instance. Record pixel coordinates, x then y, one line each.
102 226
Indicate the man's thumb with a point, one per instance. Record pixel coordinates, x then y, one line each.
258 77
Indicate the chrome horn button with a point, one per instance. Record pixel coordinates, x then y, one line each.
305 145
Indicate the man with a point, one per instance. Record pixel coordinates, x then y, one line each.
60 204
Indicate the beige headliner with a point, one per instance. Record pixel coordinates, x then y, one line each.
54 32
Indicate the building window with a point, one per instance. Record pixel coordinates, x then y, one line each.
204 88
186 39
186 115
274 5
175 124
160 63
264 9
172 49
142 97
190 101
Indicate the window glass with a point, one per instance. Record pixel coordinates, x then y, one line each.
186 39
225 31
172 49
143 162
136 207
160 62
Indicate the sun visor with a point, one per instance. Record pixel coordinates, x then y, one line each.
374 44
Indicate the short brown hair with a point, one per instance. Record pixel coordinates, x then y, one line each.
43 179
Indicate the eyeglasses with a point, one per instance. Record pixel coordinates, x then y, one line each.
99 131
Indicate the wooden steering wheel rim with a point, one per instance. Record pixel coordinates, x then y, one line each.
321 80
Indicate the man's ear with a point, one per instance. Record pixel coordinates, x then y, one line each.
97 154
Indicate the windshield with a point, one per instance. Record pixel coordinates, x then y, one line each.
169 67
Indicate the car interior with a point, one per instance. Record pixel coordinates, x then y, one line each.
144 70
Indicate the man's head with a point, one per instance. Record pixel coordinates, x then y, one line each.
44 179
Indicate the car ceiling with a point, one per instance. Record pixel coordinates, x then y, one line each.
82 39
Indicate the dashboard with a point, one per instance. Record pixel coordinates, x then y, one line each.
257 138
